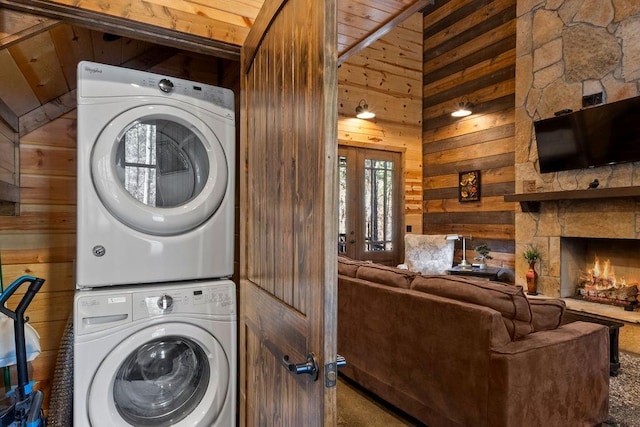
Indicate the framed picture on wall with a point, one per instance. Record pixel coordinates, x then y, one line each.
469 186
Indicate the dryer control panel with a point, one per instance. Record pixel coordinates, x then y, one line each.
97 80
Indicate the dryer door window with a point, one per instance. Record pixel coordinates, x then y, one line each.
162 163
161 382
160 170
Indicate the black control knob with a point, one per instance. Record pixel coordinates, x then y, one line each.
165 85
165 302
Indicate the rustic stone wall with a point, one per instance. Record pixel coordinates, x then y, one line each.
567 49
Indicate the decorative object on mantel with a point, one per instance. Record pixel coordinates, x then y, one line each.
594 183
529 186
463 108
482 256
464 264
469 186
363 112
532 255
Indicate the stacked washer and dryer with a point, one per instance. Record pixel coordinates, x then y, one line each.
154 311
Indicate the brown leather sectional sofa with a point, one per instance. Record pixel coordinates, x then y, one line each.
458 351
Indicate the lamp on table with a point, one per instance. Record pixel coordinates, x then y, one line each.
463 264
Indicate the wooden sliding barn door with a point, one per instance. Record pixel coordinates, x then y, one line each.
288 215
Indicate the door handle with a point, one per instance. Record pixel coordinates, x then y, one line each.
310 367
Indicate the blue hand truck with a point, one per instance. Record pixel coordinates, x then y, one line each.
26 407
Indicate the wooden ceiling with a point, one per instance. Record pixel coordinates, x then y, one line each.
42 41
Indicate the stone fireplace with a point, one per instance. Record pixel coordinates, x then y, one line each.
567 49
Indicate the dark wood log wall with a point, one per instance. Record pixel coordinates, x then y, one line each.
469 51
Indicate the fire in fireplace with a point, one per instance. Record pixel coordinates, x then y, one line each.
601 270
600 284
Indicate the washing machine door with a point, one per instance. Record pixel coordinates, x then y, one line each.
161 376
159 169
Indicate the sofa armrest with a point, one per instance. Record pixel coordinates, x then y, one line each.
557 377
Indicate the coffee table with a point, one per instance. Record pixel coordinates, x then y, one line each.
614 329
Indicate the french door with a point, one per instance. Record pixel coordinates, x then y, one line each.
370 204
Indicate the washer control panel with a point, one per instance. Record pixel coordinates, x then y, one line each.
215 300
102 309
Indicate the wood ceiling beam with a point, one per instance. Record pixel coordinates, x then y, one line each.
9 117
126 28
383 29
16 26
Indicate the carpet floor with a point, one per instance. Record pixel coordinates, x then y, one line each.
624 393
359 408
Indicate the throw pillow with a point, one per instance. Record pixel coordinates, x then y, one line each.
547 313
384 275
428 253
347 266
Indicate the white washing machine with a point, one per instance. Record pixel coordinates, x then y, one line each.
156 159
155 356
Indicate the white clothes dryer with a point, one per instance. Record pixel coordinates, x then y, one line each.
156 160
155 356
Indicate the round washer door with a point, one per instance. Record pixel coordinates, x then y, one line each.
159 169
160 376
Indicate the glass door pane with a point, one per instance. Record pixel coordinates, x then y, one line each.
378 205
342 205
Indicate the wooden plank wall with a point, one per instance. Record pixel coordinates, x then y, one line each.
388 75
9 178
41 240
469 50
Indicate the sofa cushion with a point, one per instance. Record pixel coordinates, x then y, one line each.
547 313
384 275
509 300
347 266
428 253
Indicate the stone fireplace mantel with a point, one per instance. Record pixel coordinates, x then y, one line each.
530 202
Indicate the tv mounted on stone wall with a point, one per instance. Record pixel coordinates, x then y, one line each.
595 136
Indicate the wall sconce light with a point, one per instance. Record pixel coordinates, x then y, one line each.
464 264
463 108
362 110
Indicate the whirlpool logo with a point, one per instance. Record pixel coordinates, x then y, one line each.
93 70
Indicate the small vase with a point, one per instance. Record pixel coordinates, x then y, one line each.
532 279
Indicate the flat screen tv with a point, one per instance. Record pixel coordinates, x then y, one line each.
595 136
